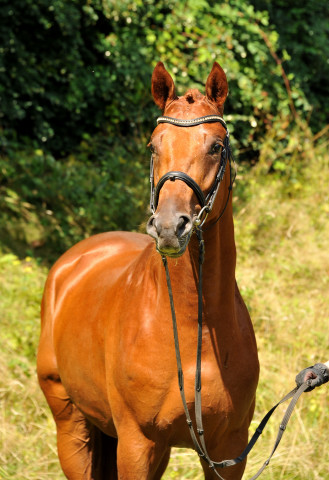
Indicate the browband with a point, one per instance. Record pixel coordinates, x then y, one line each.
179 122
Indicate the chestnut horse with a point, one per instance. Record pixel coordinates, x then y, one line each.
106 359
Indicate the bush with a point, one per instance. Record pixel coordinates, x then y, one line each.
77 109
303 41
87 68
45 201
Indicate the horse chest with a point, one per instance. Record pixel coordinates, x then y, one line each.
143 370
148 383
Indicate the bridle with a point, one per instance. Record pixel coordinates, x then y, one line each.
206 203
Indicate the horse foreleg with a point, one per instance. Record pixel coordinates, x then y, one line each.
139 458
73 434
85 453
163 465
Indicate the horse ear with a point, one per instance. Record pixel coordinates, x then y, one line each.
163 87
216 87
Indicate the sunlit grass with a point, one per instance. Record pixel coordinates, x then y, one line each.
282 233
27 433
283 271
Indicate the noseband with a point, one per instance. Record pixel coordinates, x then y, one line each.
206 202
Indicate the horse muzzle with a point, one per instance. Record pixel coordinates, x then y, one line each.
171 233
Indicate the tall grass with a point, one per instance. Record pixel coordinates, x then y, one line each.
283 272
27 433
282 233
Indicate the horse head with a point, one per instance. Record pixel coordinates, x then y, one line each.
192 156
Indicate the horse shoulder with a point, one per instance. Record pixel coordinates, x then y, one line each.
80 291
111 250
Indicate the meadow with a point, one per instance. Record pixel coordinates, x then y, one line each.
282 232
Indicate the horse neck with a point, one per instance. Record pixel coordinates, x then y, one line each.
218 268
219 262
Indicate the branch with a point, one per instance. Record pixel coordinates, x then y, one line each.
321 133
283 73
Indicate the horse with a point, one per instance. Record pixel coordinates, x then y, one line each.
106 358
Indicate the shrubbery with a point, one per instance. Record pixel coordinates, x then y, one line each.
77 110
304 40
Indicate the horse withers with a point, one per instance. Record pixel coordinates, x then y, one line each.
106 359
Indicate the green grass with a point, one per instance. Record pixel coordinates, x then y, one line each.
27 433
282 233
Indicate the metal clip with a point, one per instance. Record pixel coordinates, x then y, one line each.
199 221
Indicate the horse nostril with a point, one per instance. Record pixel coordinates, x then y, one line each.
151 227
184 225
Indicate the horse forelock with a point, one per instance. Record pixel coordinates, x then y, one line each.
192 96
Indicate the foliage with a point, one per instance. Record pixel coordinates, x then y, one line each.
303 42
23 420
59 203
61 82
77 110
88 66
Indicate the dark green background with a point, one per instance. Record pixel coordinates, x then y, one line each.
76 109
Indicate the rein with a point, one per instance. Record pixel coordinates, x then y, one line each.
206 204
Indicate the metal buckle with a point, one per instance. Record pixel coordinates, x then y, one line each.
199 221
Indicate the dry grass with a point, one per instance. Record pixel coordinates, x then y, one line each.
282 233
283 271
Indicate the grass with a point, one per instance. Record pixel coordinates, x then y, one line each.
282 233
283 272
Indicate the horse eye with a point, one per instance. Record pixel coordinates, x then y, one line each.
152 149
215 148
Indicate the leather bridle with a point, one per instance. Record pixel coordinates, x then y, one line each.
206 202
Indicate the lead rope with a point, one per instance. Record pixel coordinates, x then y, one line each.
201 449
